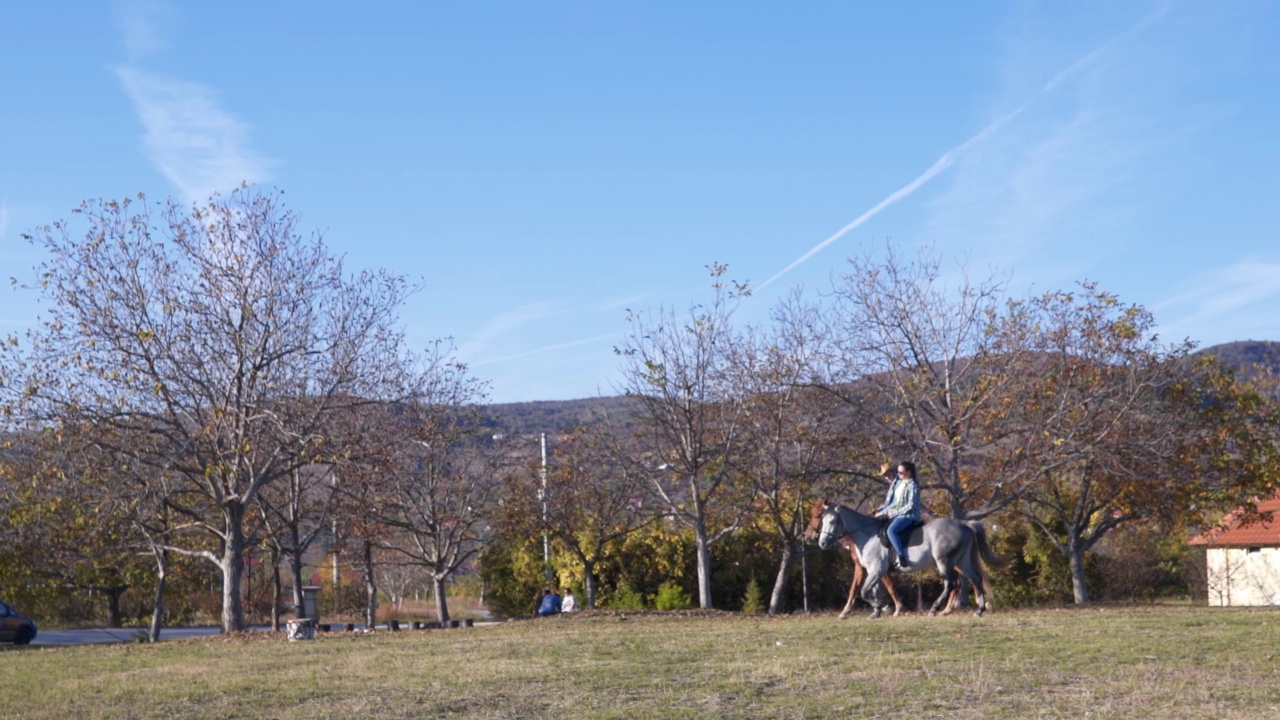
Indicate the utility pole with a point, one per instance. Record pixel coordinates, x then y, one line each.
542 495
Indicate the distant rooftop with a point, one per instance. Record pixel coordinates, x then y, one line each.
1244 528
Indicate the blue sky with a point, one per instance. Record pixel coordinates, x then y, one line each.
542 167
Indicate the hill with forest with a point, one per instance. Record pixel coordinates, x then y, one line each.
557 417
1249 358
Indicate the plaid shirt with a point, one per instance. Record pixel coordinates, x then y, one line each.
903 500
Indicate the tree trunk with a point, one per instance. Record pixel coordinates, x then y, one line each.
442 605
295 569
157 607
589 582
232 565
370 587
1079 585
113 604
703 546
780 582
277 589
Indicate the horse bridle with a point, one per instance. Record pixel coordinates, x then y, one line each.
834 509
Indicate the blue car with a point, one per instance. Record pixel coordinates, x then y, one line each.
14 626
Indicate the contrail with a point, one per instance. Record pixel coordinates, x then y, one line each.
949 157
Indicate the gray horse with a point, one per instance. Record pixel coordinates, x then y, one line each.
945 543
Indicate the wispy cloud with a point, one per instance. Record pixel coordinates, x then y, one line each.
519 319
1212 305
1057 190
550 348
200 147
138 21
950 157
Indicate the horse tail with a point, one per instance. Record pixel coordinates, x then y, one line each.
988 555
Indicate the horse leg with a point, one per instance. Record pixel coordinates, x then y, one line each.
948 580
869 594
893 593
978 581
858 573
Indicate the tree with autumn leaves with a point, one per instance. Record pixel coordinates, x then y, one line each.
1133 431
219 335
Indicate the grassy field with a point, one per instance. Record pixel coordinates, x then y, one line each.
1131 662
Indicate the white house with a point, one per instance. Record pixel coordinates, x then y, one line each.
1242 558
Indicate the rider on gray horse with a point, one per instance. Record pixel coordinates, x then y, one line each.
902 507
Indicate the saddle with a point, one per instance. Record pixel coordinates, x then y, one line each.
882 531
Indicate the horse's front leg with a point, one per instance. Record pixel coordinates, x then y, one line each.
893 593
858 573
948 581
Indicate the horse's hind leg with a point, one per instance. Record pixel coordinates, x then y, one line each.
948 581
869 594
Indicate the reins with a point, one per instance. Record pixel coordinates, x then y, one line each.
844 529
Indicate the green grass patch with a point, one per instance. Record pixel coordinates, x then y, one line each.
1132 662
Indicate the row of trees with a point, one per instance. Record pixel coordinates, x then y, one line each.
1062 410
206 379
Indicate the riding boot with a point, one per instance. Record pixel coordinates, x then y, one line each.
900 562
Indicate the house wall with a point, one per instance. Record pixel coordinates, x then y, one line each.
1238 577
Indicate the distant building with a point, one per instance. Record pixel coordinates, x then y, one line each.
1242 559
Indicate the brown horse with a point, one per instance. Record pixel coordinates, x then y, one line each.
859 572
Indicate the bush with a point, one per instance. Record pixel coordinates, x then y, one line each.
624 598
753 598
672 597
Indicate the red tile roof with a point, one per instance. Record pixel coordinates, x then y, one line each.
1234 531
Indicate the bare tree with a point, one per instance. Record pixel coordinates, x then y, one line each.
218 332
797 436
688 418
443 479
936 368
295 513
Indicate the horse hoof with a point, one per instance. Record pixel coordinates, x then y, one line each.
977 613
933 613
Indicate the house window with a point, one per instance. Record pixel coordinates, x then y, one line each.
1253 550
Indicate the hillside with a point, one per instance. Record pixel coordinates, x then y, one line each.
1249 358
557 417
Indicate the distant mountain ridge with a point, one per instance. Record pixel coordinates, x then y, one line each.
1248 358
555 417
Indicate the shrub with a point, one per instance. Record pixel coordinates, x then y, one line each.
753 598
672 597
624 598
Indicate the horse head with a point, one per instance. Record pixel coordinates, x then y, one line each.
815 519
831 526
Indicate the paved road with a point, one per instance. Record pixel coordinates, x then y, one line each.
88 636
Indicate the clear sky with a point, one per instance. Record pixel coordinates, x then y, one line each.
542 167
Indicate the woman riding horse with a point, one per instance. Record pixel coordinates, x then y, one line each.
953 547
902 507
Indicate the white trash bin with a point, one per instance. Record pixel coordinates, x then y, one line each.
300 629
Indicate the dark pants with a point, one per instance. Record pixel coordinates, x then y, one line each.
899 529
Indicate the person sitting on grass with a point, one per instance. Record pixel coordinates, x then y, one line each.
550 603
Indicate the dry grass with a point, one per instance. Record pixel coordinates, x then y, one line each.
1180 662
